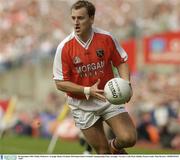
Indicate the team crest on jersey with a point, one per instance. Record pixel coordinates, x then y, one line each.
76 60
100 53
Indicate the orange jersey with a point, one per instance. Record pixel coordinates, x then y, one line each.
85 63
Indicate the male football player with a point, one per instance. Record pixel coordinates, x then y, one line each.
82 66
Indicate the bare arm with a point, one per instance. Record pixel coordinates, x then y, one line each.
124 72
67 86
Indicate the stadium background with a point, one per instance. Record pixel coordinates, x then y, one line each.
30 31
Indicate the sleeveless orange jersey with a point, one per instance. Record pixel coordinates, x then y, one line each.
85 63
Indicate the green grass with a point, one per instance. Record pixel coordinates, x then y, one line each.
28 145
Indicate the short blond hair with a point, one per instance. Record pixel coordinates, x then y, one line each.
86 4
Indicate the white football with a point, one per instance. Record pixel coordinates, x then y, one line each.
117 91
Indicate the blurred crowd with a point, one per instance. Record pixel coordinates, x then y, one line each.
41 24
155 108
37 26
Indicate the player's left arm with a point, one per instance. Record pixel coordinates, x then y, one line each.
124 71
119 59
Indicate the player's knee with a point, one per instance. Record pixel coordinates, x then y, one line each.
128 139
131 140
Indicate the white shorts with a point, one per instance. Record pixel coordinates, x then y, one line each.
87 112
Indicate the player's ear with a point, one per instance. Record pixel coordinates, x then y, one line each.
92 19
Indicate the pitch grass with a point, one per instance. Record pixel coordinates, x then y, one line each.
29 145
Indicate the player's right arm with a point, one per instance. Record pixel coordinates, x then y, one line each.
67 86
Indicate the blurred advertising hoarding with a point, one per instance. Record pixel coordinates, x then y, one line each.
162 48
130 47
4 104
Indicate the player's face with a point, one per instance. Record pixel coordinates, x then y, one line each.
81 21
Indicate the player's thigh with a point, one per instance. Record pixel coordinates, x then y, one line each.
95 135
122 126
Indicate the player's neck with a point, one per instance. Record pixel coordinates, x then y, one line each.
85 37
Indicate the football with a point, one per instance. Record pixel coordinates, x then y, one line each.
117 91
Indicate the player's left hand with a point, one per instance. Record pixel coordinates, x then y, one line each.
131 93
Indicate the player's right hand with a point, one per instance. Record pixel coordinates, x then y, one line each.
97 93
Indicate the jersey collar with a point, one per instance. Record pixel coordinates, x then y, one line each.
84 44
